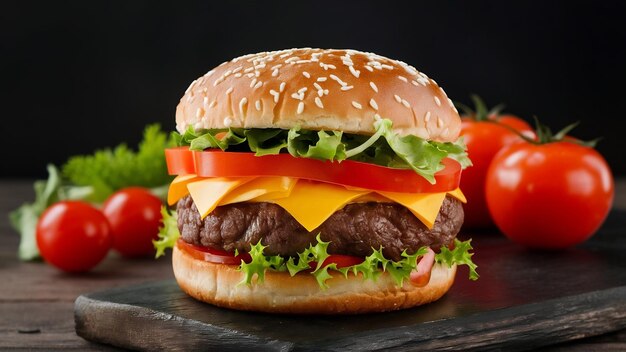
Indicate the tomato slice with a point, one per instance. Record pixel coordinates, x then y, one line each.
342 261
182 161
213 255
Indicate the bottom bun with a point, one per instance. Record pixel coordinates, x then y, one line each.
218 284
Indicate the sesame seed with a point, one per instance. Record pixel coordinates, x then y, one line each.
237 69
249 69
229 90
228 121
275 94
242 103
282 87
199 112
374 88
333 77
250 75
205 100
253 82
258 85
427 117
344 88
331 66
439 122
227 73
320 92
414 83
322 79
397 98
302 90
306 74
300 108
406 103
357 105
437 101
369 68
318 102
354 72
388 67
450 103
403 79
317 86
325 91
212 104
238 74
377 117
298 96
373 104
257 105
275 72
217 81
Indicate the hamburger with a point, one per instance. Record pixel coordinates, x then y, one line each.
316 181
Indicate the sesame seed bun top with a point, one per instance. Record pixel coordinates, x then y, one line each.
343 90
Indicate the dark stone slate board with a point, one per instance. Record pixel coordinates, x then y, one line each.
524 299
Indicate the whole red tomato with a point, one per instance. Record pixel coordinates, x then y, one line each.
552 195
484 138
73 236
135 216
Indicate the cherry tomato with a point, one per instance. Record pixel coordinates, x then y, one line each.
552 195
484 139
73 236
135 217
181 161
213 255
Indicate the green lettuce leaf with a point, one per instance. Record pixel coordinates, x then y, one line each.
371 268
460 255
108 170
384 147
259 264
168 232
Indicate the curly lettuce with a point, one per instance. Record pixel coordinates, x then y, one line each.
385 147
312 260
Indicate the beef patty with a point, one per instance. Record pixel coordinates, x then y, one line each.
353 230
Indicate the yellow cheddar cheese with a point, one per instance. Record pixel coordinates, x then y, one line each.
263 188
178 188
309 202
207 193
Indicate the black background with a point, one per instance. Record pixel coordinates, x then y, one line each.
81 75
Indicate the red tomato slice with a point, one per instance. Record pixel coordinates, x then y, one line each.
347 173
213 255
341 260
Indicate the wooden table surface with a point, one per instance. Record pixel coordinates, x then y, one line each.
37 301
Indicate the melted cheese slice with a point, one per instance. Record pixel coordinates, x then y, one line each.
310 203
207 193
261 189
178 188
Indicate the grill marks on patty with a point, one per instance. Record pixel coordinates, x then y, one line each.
352 230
